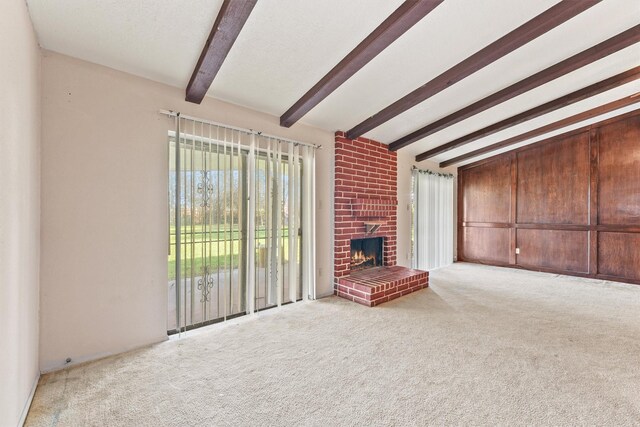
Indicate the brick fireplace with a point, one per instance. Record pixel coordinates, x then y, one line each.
366 192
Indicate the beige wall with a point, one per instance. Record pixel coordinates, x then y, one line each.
104 205
19 210
405 163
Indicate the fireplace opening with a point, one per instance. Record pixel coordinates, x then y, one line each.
366 253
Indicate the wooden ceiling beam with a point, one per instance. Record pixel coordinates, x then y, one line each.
563 101
403 18
599 51
586 115
230 20
544 22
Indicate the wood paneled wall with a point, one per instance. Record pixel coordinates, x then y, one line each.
569 204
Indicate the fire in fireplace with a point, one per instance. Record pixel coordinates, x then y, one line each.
366 253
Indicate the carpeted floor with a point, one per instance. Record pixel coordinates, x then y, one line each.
482 345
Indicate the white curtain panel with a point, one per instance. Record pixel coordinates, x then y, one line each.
250 206
300 205
433 219
308 223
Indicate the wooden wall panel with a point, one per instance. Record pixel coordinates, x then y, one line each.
619 172
486 192
553 182
569 204
619 255
486 244
560 250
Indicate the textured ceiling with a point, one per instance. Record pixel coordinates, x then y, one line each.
286 46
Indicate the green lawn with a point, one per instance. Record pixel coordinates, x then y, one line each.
220 250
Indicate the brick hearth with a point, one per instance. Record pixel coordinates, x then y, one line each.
366 191
374 286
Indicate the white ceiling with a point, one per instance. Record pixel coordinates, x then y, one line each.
286 46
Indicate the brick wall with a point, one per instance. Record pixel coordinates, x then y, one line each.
366 189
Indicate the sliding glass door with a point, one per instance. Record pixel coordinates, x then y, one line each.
211 184
272 235
215 181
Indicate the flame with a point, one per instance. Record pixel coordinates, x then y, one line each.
359 257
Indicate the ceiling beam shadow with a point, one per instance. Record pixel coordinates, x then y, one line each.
563 101
230 20
586 115
544 22
595 53
403 18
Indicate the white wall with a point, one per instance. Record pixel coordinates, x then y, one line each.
104 205
19 209
405 163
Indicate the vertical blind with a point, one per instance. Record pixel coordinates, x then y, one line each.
242 222
432 219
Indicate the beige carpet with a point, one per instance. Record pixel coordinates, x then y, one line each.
482 345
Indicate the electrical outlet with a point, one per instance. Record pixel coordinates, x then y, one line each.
517 251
